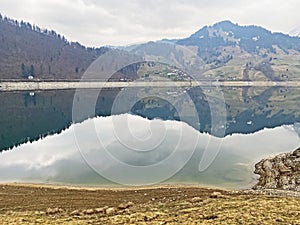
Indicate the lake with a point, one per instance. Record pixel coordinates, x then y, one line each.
139 136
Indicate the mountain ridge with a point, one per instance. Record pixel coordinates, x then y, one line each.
27 50
228 51
250 38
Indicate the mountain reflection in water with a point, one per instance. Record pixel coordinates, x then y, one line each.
27 117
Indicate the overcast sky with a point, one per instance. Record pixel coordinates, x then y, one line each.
124 22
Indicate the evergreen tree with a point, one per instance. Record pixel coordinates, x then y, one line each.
24 71
31 72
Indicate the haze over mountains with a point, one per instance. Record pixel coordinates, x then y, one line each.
224 51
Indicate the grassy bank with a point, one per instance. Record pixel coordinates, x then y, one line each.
39 204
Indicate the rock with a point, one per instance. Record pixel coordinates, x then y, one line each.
53 211
216 195
196 199
90 212
111 211
39 212
130 204
75 213
279 172
282 168
122 206
297 153
211 217
9 212
100 210
127 205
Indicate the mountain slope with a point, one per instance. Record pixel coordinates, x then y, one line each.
27 50
249 38
228 51
223 51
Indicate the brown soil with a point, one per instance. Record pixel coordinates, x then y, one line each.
40 204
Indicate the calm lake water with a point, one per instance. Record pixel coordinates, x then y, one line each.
140 136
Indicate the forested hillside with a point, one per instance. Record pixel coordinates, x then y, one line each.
27 50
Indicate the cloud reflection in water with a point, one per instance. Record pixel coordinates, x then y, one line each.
56 158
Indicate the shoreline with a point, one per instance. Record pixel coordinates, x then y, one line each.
63 85
251 191
115 188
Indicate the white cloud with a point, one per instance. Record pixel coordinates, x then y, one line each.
115 22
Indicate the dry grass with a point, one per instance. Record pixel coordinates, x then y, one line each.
161 205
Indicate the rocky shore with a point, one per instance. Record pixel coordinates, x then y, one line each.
36 204
281 172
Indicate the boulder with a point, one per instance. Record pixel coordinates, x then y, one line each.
279 172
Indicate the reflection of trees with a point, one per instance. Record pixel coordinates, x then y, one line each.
28 118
